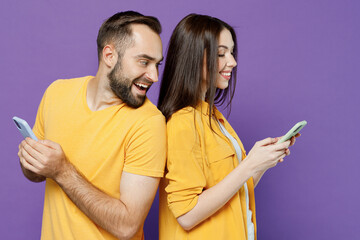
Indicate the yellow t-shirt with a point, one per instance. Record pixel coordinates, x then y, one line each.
197 159
101 145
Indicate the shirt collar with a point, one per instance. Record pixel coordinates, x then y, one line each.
203 107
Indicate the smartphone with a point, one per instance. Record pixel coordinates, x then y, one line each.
293 131
24 128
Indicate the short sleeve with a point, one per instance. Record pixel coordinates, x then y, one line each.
186 178
146 151
38 128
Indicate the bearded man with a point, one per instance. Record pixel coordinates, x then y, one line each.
102 143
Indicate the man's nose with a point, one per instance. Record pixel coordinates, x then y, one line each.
153 74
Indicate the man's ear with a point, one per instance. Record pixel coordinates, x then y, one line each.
109 56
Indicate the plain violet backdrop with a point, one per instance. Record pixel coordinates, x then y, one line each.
298 60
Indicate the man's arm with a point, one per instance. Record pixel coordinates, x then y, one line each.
121 217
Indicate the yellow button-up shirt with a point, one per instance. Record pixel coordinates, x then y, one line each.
197 159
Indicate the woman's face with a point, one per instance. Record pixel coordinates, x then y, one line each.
226 59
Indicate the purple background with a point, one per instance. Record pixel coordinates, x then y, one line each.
298 60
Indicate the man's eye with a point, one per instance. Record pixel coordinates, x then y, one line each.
145 63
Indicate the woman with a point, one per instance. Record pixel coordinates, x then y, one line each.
208 191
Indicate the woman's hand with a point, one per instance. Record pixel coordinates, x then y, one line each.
258 174
292 142
266 154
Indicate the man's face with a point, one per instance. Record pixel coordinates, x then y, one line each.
137 69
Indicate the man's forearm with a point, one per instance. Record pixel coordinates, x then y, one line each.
108 212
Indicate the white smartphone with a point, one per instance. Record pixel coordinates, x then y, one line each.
293 131
24 128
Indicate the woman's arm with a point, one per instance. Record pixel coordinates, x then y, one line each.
264 155
257 177
212 199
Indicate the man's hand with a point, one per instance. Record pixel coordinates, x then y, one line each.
43 157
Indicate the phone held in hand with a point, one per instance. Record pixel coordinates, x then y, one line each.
293 131
24 128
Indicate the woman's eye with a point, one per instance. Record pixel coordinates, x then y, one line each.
221 55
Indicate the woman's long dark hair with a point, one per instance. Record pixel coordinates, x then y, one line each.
194 39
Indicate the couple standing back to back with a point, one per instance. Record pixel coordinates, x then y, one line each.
103 145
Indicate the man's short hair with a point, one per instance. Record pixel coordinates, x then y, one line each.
117 30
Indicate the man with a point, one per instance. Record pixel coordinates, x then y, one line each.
103 143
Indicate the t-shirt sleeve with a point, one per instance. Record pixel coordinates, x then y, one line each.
146 150
186 178
38 128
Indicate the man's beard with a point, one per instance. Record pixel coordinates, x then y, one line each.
121 86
